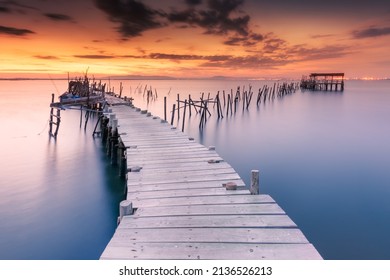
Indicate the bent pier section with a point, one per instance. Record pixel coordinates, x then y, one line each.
183 201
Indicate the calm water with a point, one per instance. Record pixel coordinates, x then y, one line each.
324 157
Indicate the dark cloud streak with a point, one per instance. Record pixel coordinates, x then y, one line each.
371 32
193 2
4 10
58 17
48 57
15 31
95 56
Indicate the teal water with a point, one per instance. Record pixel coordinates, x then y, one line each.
324 157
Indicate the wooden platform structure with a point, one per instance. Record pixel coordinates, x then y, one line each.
323 81
185 202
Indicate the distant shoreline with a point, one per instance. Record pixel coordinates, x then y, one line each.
173 78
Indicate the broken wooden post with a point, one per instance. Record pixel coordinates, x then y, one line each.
254 189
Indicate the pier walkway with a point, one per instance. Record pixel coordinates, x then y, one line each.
182 208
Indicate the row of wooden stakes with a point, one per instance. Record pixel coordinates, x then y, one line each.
228 103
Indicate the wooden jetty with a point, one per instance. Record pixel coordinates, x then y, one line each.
81 93
323 81
183 201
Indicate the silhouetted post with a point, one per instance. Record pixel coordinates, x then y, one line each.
227 109
178 106
51 115
184 115
165 108
173 113
217 101
254 182
189 104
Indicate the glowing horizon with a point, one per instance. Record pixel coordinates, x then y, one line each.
194 38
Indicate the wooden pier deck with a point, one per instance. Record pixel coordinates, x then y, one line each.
181 208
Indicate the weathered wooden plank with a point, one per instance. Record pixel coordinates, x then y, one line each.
142 162
209 210
125 236
141 145
168 150
142 187
144 174
165 155
178 168
183 193
205 200
218 251
227 177
221 221
161 165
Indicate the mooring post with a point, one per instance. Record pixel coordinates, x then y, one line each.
125 209
254 182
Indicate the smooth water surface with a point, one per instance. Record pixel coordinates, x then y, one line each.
323 156
58 198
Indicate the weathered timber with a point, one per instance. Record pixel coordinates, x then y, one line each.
181 207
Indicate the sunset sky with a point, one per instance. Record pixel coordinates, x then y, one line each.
194 38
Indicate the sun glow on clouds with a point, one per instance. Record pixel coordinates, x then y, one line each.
192 38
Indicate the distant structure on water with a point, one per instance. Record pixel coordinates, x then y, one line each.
323 81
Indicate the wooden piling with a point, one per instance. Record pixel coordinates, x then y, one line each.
217 102
173 113
254 189
228 102
51 116
184 115
165 108
178 106
189 104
